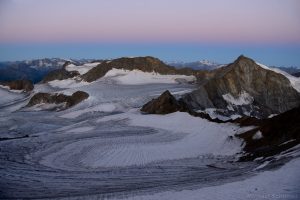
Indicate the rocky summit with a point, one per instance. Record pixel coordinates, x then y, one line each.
145 64
245 88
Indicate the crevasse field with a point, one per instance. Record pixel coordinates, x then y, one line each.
105 147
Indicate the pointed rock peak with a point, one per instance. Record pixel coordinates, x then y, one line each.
66 64
243 58
166 93
243 61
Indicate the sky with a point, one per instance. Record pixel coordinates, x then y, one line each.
187 30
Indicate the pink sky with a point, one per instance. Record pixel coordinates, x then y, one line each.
225 21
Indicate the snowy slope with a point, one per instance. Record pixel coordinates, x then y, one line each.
276 184
137 77
82 69
295 82
8 96
67 83
243 99
181 140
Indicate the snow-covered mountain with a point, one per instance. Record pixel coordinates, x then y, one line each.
197 65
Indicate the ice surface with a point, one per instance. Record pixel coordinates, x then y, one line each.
211 138
8 96
268 185
106 107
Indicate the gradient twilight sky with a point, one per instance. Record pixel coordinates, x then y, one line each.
220 30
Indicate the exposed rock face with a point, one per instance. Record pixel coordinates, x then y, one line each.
96 72
60 74
164 104
145 64
25 85
64 100
244 87
273 135
33 70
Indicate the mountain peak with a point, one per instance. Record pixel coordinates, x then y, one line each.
243 58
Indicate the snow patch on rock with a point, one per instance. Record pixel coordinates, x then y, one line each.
257 136
83 68
67 83
243 99
137 77
81 129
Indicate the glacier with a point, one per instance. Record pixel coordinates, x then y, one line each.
104 148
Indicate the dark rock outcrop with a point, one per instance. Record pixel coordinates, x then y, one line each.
268 92
145 64
25 85
164 104
277 134
65 101
59 74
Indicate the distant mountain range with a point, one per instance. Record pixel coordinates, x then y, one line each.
35 70
210 65
197 65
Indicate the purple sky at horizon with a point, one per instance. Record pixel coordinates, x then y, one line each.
252 23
